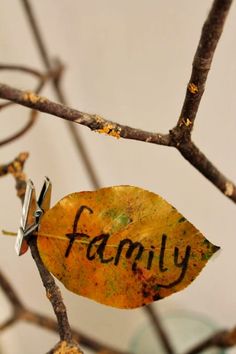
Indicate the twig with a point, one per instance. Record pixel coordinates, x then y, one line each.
98 124
52 290
10 292
160 331
53 294
8 323
196 158
211 32
22 68
22 131
15 168
222 339
79 144
6 104
54 73
50 324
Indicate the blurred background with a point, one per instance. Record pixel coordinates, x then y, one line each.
128 61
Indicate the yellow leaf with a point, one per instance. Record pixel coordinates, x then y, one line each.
121 246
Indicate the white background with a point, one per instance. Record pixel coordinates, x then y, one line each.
129 61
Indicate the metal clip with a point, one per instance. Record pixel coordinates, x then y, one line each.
31 213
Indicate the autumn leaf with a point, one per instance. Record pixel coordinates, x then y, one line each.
121 246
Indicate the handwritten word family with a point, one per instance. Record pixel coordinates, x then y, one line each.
132 250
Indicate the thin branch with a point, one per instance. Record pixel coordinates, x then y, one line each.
211 33
8 323
6 105
13 298
76 138
50 324
197 159
160 331
222 339
53 294
36 33
54 73
22 68
29 124
52 290
15 168
10 292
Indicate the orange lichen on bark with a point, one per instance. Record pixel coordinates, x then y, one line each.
192 88
65 348
109 129
31 97
229 188
186 121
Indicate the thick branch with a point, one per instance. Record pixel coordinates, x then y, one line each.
97 123
92 121
211 32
